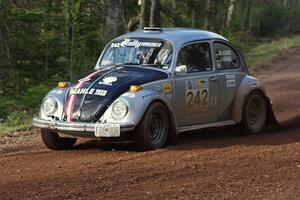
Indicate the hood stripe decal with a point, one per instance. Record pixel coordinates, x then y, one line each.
71 99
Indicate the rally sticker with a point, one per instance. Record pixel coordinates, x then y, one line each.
108 80
135 44
166 87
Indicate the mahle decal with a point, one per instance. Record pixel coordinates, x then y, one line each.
91 91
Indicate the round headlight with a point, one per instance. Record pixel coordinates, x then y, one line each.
49 105
119 109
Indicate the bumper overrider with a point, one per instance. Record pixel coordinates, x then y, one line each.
82 129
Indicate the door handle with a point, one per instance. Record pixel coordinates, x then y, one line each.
213 78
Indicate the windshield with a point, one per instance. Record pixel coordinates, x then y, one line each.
141 51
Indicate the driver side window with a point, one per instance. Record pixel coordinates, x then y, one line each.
194 58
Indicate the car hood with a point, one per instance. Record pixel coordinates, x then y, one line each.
90 95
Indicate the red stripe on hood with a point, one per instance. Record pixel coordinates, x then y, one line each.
72 98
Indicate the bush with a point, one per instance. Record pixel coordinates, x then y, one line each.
7 105
16 119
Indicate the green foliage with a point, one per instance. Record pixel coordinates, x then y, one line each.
7 105
16 118
274 19
34 96
16 121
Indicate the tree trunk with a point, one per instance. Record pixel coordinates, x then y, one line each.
207 15
142 14
174 13
113 18
229 13
155 13
248 15
193 18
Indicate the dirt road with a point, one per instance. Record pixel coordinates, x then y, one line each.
213 164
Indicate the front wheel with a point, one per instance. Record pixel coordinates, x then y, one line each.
152 131
254 112
53 141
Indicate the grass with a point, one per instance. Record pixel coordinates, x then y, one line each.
264 51
5 129
16 121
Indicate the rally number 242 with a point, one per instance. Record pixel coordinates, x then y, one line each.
197 97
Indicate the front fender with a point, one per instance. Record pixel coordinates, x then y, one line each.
138 102
247 85
59 95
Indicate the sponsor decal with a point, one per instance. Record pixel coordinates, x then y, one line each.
131 95
230 80
202 83
135 44
157 88
227 56
148 95
167 87
108 80
91 91
58 91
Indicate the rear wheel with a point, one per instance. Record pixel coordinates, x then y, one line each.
53 141
152 131
254 112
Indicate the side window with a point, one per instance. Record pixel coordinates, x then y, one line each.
226 57
194 58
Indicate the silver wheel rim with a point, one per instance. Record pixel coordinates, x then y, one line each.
255 112
155 127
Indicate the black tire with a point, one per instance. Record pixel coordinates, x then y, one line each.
53 141
254 112
152 131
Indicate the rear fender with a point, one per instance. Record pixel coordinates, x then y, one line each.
247 85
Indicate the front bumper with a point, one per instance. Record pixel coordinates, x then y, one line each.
75 128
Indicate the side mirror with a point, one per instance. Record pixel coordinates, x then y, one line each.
181 69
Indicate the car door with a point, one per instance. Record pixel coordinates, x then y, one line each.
196 85
228 63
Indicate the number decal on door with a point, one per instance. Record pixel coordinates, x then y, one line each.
196 97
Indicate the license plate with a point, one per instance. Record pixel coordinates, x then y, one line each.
107 130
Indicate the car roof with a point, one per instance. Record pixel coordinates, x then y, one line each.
174 35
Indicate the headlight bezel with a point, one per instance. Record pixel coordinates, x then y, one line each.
120 112
49 112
